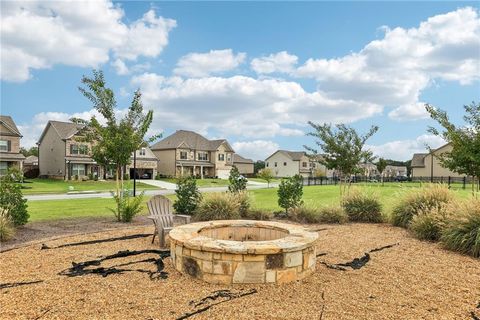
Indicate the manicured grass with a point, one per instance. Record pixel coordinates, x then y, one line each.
262 199
202 183
75 208
264 181
51 186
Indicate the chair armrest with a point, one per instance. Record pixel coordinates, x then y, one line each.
152 217
184 216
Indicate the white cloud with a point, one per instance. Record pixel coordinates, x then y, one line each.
394 70
404 149
409 112
275 62
204 64
242 105
39 34
256 149
120 67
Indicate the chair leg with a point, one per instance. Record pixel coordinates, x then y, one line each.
162 238
154 234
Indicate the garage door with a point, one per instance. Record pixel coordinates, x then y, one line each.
223 174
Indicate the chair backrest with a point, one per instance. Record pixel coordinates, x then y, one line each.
161 208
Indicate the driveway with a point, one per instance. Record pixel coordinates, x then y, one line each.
160 184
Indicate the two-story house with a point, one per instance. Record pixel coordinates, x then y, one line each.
62 154
285 163
245 166
188 153
429 165
10 136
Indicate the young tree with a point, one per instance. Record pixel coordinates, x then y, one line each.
188 196
12 203
114 142
381 165
266 174
342 148
290 192
464 157
237 182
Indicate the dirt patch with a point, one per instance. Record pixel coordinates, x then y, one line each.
412 280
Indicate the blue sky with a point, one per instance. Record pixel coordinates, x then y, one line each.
253 73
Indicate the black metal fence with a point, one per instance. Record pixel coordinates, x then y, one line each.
452 182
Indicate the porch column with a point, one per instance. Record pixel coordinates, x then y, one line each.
181 170
194 173
201 172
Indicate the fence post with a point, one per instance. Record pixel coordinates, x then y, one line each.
464 182
449 181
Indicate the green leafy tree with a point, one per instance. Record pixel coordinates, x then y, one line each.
464 158
188 196
33 151
114 142
266 174
290 192
258 165
381 165
12 203
342 148
237 182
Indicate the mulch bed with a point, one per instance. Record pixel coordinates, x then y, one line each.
119 274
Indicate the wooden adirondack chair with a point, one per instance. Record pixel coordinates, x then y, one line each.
161 213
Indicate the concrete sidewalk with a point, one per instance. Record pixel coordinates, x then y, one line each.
160 184
109 195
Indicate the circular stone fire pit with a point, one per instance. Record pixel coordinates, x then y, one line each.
243 251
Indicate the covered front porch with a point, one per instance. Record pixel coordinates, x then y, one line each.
195 168
82 169
8 161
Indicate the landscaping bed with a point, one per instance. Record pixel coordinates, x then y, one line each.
402 278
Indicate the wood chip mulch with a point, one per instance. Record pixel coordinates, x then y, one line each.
129 278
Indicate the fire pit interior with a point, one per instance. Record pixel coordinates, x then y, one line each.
243 251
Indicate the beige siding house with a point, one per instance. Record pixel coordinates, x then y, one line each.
285 163
245 166
188 153
146 164
428 164
10 156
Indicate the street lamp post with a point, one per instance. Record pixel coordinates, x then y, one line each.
134 172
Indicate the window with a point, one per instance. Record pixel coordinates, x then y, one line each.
183 155
221 157
3 168
142 152
304 164
3 145
267 164
79 149
275 164
202 156
284 164
78 169
229 157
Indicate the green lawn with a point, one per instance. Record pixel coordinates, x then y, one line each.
75 208
262 199
202 183
51 186
263 181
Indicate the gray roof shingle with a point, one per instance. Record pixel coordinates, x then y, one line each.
418 160
8 122
191 139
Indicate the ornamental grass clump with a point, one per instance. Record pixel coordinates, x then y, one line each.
362 206
7 230
429 224
313 214
218 206
413 202
462 231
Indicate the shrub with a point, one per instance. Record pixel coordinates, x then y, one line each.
420 200
12 202
218 206
428 225
290 192
237 182
266 174
188 196
362 206
462 231
326 214
7 230
127 206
